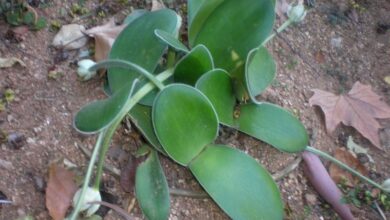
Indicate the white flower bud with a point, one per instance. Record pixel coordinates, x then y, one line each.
91 195
386 185
83 70
296 13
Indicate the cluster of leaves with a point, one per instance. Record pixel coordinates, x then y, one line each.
18 12
213 82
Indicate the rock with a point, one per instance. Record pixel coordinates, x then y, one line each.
336 42
70 37
6 165
311 199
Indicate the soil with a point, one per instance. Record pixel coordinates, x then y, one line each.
336 45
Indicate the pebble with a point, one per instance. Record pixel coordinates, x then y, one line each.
6 165
311 199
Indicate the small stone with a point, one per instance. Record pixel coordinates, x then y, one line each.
336 42
6 165
311 199
70 37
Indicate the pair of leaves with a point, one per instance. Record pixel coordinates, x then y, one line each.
239 185
359 109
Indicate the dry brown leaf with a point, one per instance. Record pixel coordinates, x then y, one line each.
342 176
359 109
59 192
104 38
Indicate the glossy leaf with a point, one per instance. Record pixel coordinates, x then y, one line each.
237 183
217 86
193 7
259 71
273 125
184 121
137 43
134 15
151 189
196 63
141 116
170 40
99 114
246 24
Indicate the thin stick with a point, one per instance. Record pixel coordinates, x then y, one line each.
116 208
5 201
287 170
380 211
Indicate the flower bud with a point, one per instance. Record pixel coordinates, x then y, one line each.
83 70
90 195
296 13
386 185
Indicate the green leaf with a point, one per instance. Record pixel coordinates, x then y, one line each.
237 183
151 189
141 116
134 15
28 18
41 23
138 44
217 86
184 122
170 40
259 71
246 24
193 7
273 125
193 65
97 115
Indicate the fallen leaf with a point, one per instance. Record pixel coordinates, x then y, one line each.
319 57
340 175
70 37
9 62
127 178
59 192
359 109
104 38
357 149
324 185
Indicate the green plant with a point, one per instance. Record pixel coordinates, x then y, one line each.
18 12
178 104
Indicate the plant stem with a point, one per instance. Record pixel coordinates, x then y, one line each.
111 129
278 31
94 155
344 166
128 65
171 58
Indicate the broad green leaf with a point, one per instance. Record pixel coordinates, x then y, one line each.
245 25
151 189
193 65
193 7
273 125
137 43
217 86
134 15
184 121
237 183
141 116
259 71
170 40
99 114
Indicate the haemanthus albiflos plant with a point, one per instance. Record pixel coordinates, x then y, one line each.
179 104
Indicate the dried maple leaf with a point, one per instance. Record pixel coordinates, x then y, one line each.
359 109
104 38
340 175
59 192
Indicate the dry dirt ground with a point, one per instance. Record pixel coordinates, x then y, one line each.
335 46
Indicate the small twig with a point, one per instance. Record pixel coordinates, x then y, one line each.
115 171
287 170
131 205
116 208
382 214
